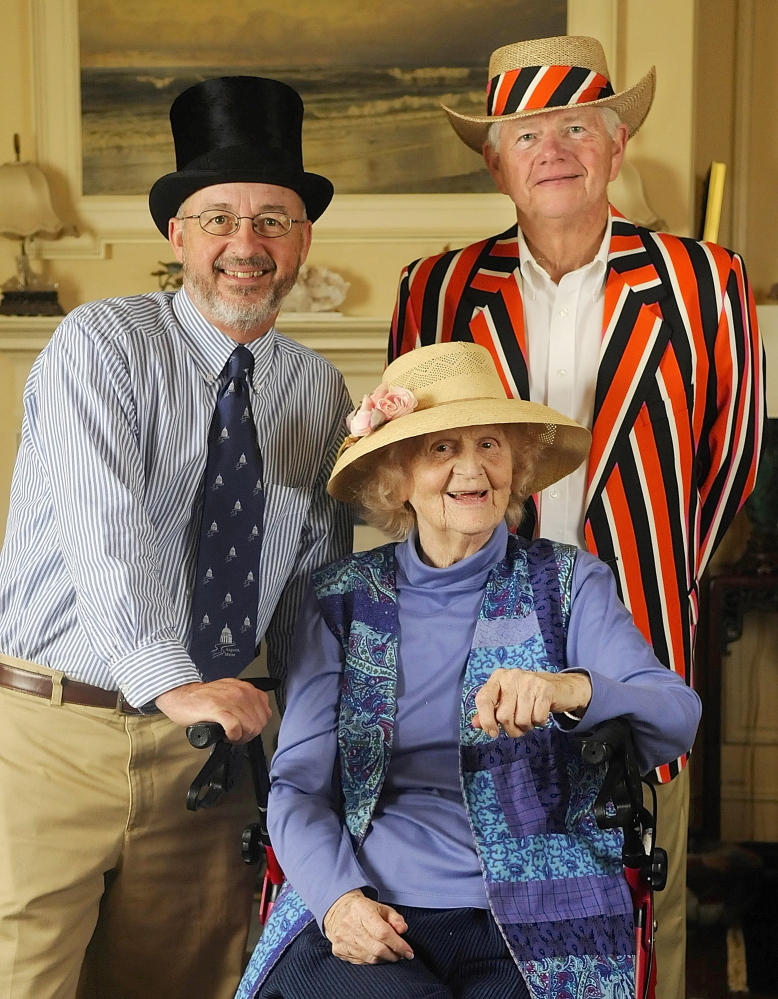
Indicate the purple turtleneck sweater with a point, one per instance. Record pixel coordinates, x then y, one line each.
419 850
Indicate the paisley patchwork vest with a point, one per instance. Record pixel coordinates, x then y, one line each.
553 879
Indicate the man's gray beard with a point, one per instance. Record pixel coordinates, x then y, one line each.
238 315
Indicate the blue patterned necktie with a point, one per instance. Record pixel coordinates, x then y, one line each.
225 599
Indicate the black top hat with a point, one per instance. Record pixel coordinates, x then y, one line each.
235 129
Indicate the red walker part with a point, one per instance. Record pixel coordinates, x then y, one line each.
643 905
271 885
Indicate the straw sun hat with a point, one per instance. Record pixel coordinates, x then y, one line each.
453 385
545 74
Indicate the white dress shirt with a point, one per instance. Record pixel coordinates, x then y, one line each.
563 324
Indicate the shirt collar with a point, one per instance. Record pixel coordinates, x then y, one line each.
534 277
211 348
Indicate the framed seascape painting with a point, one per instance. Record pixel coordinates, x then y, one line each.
372 77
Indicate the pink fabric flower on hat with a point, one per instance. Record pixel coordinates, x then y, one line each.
365 418
394 402
382 405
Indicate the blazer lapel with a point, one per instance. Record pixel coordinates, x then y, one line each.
497 322
634 339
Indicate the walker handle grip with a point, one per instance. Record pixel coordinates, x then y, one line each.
204 734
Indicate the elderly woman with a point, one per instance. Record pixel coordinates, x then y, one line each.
428 804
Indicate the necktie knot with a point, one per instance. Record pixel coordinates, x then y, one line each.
240 364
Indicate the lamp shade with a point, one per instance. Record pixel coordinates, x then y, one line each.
25 203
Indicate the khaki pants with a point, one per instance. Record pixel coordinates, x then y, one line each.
670 904
105 878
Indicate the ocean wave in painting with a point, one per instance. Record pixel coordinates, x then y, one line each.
370 130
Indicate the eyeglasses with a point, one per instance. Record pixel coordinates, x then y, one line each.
268 224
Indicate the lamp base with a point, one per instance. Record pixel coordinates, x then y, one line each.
31 302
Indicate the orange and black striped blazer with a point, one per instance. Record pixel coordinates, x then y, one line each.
679 403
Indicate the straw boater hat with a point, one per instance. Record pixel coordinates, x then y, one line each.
442 387
545 74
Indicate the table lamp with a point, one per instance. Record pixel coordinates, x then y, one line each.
26 212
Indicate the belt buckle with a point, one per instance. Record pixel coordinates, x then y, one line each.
123 706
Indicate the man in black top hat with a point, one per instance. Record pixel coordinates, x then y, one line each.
230 161
168 507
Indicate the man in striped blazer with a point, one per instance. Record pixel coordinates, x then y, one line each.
648 339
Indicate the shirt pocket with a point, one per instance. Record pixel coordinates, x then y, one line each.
286 507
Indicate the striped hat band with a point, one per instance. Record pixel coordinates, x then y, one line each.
535 87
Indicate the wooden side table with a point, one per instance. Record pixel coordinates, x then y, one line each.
730 598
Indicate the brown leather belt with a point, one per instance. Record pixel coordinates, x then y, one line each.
73 692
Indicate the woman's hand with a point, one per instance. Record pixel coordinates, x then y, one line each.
520 700
362 931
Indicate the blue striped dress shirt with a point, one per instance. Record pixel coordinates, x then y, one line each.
97 568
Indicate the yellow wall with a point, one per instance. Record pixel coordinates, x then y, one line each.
714 118
762 225
661 32
16 105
